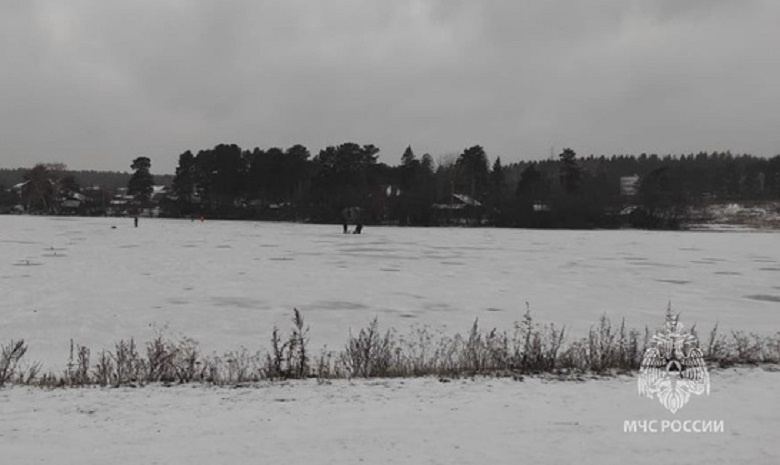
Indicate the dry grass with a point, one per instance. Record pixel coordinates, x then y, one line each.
526 348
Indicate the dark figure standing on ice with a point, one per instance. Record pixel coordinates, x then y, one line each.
353 215
135 221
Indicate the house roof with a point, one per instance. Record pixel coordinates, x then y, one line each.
467 200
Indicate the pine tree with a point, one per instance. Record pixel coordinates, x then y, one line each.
184 182
140 184
571 172
408 158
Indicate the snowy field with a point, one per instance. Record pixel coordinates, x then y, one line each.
420 421
225 284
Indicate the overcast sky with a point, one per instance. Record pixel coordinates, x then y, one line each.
95 83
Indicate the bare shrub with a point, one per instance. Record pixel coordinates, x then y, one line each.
160 355
328 367
289 359
186 362
9 359
299 356
369 354
77 372
275 360
127 363
28 375
236 367
104 369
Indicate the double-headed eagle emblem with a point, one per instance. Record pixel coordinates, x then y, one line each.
673 368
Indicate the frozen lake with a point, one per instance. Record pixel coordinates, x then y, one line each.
227 283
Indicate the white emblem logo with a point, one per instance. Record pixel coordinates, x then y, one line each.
673 368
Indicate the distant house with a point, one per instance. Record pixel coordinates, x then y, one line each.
37 197
19 188
541 206
159 193
71 202
462 210
392 190
466 200
629 185
123 204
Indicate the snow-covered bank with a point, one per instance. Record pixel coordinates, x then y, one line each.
419 421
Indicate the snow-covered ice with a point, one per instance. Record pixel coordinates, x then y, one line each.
225 284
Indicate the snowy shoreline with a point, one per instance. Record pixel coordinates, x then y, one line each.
419 421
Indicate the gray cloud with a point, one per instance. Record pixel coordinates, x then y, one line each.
94 83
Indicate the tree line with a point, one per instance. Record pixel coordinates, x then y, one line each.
569 191
291 184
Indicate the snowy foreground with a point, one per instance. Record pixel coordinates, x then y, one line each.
420 421
225 284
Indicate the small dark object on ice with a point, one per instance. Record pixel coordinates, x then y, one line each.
352 215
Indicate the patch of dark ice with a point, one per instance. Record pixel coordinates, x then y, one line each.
673 281
337 305
764 297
